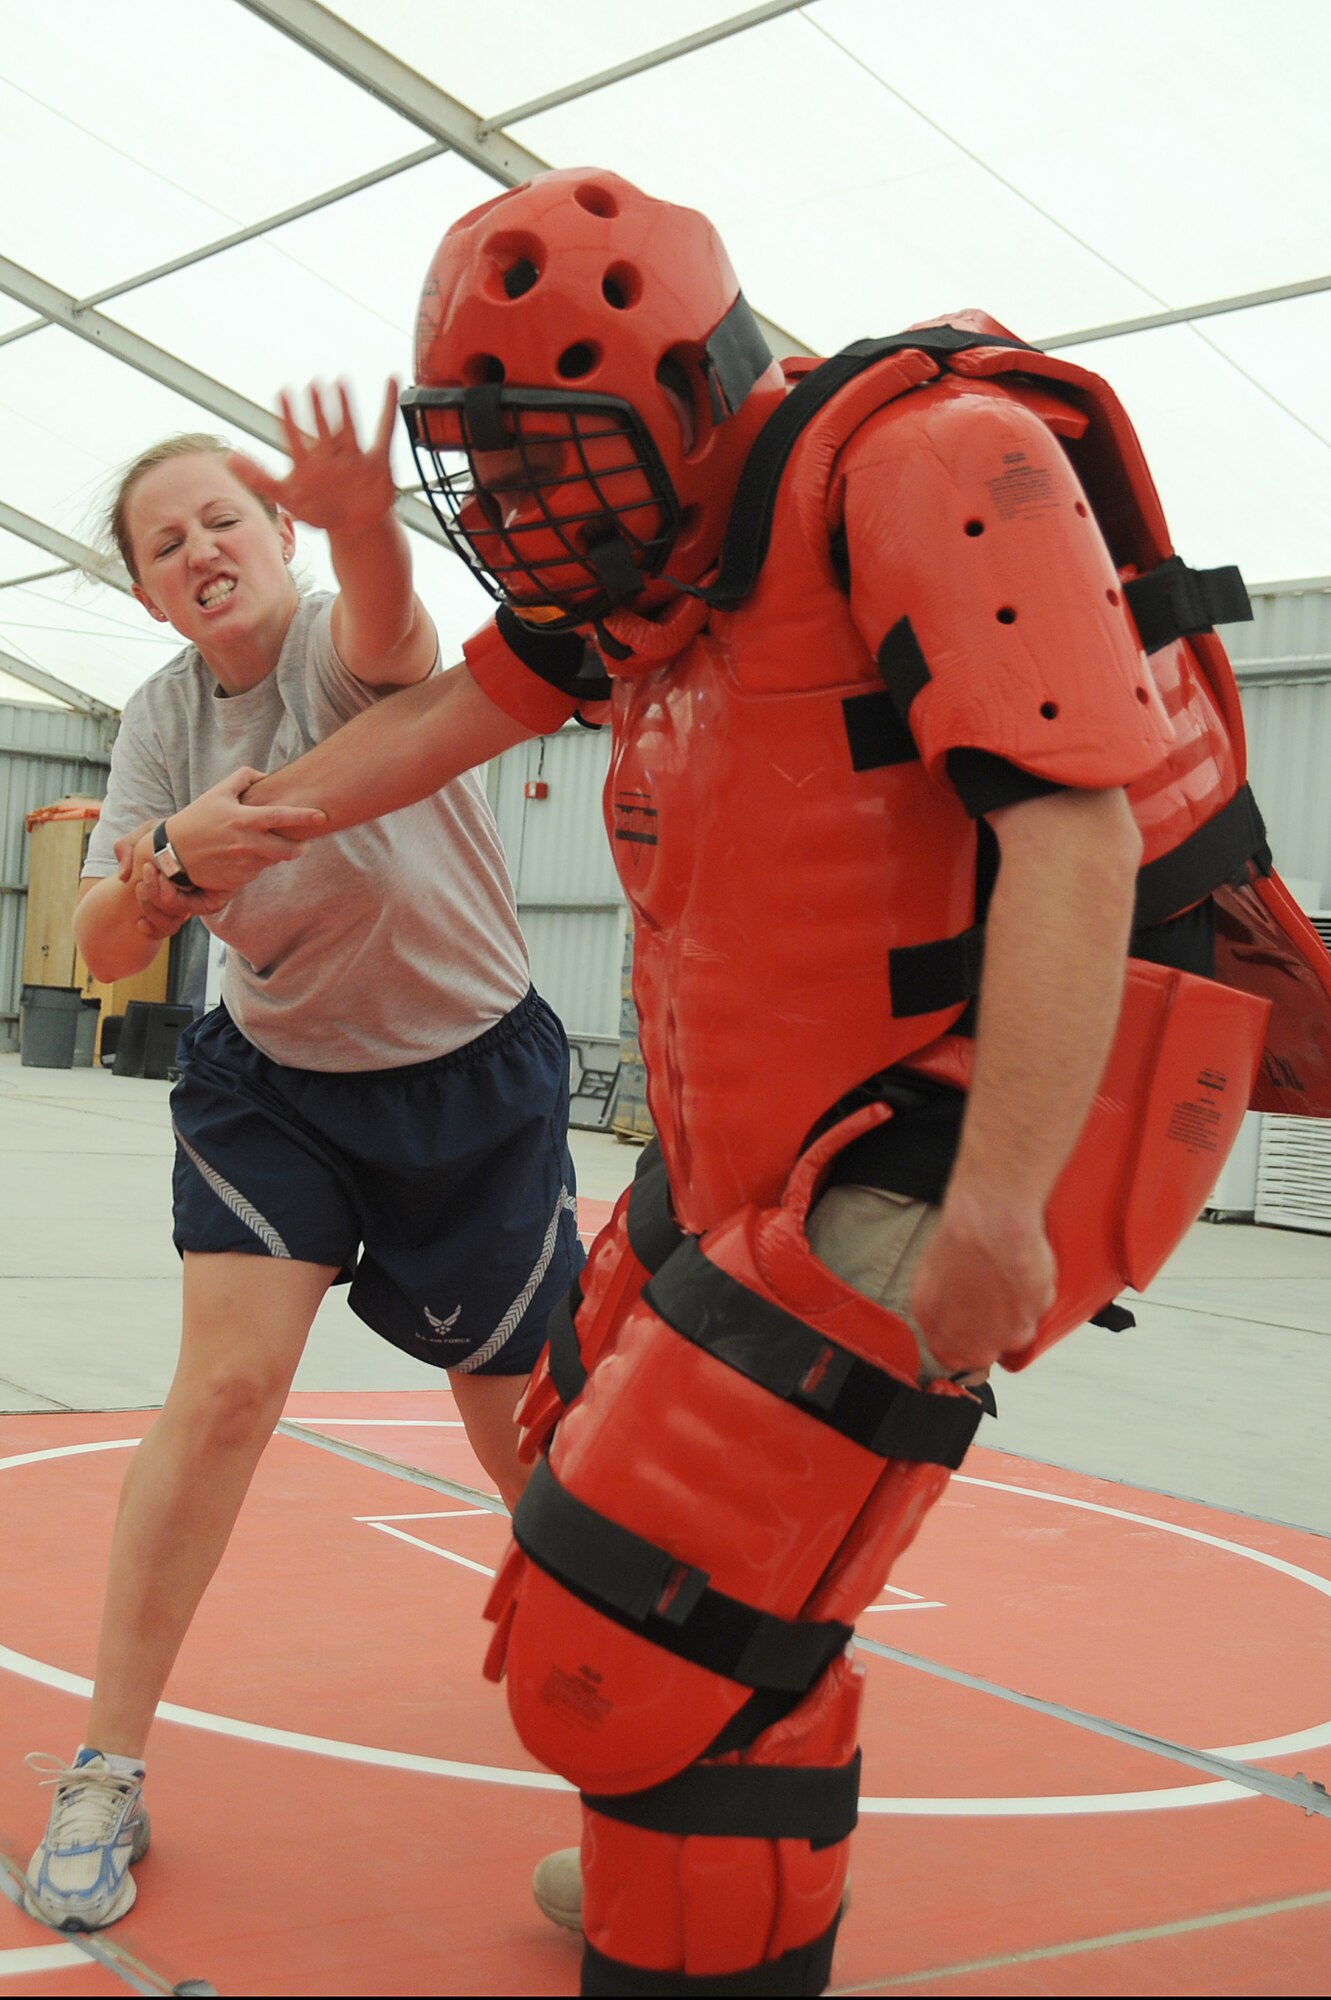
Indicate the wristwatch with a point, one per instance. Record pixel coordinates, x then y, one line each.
170 863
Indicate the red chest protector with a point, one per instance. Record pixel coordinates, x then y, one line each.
803 888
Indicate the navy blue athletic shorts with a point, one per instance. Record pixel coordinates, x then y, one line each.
442 1191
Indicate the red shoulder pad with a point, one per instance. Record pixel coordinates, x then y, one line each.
512 686
982 584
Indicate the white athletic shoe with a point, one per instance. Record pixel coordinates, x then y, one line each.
556 1884
79 1879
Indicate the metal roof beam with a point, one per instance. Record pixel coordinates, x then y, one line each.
112 338
325 35
37 576
1182 315
77 555
720 31
266 226
404 90
37 677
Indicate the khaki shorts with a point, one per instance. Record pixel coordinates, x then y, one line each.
873 1240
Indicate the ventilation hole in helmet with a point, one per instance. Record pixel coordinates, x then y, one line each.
478 368
975 527
1049 709
1143 696
1112 596
520 277
578 360
1081 509
1007 616
621 286
596 200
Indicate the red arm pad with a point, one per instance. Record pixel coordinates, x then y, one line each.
964 518
510 685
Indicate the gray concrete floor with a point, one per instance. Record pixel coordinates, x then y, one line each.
1221 1394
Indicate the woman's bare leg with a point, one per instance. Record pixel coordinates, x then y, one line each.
245 1324
486 1404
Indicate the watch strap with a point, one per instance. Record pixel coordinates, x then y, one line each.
175 869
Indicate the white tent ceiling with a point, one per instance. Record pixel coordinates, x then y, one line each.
1073 169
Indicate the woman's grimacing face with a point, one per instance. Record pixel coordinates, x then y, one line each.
210 560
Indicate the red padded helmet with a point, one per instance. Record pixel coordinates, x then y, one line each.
586 349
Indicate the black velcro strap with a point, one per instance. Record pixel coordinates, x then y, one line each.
745 1802
734 358
805 1969
1215 854
1113 1318
903 666
925 978
563 659
565 1359
654 1234
876 733
1171 600
619 575
483 418
749 533
648 1591
791 1360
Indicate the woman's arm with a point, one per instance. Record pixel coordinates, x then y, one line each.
382 632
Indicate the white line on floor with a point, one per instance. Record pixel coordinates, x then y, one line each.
33 1958
925 1604
430 1548
443 1514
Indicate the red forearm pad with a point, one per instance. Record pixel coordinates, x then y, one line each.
500 674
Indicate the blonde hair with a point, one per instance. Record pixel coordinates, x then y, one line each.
184 445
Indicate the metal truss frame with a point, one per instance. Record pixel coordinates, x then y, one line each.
449 126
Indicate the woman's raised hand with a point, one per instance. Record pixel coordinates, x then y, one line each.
333 484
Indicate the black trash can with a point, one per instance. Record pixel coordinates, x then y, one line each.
85 1040
111 1028
50 1026
149 1036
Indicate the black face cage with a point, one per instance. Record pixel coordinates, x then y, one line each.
613 554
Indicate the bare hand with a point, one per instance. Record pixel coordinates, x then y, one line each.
164 908
983 1283
332 483
224 844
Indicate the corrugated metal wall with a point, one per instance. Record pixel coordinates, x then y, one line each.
45 753
1283 662
569 902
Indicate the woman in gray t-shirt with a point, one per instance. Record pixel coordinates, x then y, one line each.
380 1097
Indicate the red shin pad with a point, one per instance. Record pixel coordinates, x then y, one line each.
747 1459
708 1905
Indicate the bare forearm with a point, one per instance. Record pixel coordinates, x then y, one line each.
106 925
1055 953
377 608
398 752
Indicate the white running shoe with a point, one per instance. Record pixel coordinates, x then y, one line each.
556 1884
79 1879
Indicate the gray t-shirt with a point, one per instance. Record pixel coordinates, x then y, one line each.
385 944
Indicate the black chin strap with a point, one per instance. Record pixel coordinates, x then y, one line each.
618 574
733 359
